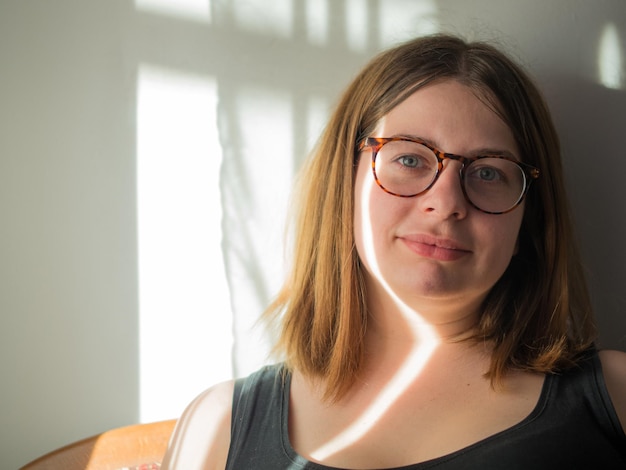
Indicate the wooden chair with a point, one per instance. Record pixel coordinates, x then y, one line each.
139 447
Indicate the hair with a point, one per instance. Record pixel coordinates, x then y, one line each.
538 315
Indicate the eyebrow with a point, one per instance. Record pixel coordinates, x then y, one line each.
480 152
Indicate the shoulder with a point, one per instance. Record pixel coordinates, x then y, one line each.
202 435
614 371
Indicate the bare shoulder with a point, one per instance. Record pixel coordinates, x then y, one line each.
202 435
614 369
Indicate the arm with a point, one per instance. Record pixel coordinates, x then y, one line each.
202 435
614 369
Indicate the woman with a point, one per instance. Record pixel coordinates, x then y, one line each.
436 315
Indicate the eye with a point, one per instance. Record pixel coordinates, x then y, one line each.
488 174
490 171
413 161
406 158
410 161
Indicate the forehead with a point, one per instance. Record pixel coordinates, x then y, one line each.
451 116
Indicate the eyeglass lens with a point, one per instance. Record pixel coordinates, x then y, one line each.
408 168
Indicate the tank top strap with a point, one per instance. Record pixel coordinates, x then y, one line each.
257 421
586 382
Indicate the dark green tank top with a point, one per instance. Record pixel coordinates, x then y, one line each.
573 426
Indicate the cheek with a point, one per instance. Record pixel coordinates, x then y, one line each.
504 238
373 216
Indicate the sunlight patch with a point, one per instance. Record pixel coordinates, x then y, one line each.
317 22
610 58
273 18
184 304
197 10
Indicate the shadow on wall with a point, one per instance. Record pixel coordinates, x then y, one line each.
591 122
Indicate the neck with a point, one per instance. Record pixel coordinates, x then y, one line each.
441 321
418 334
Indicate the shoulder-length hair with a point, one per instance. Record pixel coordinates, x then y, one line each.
538 315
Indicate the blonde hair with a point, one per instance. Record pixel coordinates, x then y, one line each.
538 315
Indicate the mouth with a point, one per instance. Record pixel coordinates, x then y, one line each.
441 249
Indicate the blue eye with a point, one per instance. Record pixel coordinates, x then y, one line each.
484 173
488 174
410 161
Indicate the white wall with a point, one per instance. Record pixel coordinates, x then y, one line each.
68 298
68 81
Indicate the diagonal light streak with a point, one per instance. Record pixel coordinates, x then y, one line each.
425 344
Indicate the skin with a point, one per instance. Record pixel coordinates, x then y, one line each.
429 263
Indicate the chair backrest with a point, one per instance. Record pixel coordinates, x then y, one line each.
140 447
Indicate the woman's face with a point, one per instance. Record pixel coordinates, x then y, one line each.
435 249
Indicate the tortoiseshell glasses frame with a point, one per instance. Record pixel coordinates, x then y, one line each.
516 194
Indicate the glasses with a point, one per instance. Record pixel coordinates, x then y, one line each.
405 167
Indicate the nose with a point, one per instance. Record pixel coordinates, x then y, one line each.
445 198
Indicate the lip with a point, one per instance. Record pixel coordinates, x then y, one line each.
437 248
